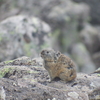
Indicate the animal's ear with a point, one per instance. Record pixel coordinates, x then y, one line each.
58 53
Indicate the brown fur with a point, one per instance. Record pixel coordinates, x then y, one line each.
58 65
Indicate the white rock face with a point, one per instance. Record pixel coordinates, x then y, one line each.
23 35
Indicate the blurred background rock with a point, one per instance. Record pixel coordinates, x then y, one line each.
70 26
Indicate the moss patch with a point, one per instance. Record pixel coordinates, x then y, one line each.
0 38
30 71
45 45
4 71
56 33
27 48
7 62
99 75
12 32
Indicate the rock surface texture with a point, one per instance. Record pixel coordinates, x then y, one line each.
26 79
23 35
90 36
79 52
94 12
64 16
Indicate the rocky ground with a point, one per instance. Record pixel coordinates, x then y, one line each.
26 79
69 26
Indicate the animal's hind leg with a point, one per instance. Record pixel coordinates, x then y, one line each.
63 76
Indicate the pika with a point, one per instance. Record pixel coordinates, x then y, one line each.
58 65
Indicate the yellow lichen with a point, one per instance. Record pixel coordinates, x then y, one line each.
4 71
6 62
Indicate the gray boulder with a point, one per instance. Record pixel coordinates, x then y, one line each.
90 36
82 57
94 10
26 80
65 17
23 35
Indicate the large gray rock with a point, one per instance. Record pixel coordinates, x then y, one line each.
82 57
8 9
94 10
90 36
65 17
23 35
96 59
23 79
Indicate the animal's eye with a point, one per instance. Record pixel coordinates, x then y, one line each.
47 51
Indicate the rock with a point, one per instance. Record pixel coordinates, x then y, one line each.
68 11
82 57
24 61
23 35
65 17
2 93
31 82
95 94
91 38
94 12
96 59
6 10
73 95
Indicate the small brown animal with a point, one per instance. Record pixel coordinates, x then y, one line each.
58 65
